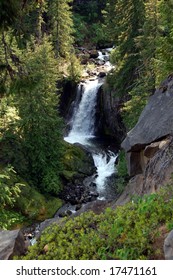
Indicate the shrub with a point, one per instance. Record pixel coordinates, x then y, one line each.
127 232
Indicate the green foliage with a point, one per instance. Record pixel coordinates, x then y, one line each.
8 12
39 125
9 192
10 219
60 15
88 23
22 204
164 52
74 69
122 165
36 206
122 174
116 234
134 106
127 20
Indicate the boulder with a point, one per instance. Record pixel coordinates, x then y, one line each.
149 139
102 74
78 164
156 120
156 171
97 206
93 54
168 246
12 243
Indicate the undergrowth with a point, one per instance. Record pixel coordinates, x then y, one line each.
126 232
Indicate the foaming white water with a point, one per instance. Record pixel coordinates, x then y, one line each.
78 138
105 164
101 55
84 118
83 129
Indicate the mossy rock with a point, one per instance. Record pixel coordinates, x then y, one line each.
36 206
77 162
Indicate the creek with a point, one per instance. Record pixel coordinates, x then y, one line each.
83 131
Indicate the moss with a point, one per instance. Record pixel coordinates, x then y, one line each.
68 175
35 206
75 162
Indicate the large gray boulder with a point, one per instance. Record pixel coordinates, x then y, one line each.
12 243
156 120
168 246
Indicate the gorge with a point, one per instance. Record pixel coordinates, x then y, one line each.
86 146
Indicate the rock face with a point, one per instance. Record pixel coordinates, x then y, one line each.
109 117
156 120
149 145
12 243
168 246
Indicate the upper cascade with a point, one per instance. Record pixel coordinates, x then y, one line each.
83 120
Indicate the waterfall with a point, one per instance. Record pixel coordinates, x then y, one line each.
83 131
83 120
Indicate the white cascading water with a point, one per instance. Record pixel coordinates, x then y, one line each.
82 131
105 164
83 121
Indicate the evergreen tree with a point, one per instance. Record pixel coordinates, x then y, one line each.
39 125
60 13
9 11
128 19
144 86
164 54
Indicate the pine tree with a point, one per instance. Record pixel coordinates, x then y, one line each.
144 86
39 126
60 13
126 20
164 54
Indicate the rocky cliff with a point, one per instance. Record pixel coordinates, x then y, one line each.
149 145
109 118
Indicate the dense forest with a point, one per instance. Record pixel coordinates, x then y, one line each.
39 55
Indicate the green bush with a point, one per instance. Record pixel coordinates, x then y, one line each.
22 204
127 232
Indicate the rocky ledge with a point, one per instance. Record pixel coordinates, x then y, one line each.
149 145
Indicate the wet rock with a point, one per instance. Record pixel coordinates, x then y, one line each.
78 207
78 164
12 243
93 54
69 212
62 214
101 74
78 194
100 62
